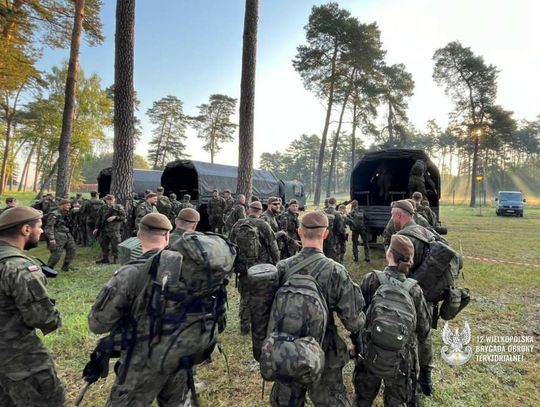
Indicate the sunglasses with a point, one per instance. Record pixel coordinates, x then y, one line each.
274 204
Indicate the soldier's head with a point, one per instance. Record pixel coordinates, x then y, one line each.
160 191
187 219
255 208
313 229
154 231
402 212
172 196
49 197
413 203
293 206
215 194
254 198
64 204
400 253
109 200
11 202
241 199
354 204
227 193
342 209
417 196
273 204
21 227
186 198
332 202
94 194
151 198
425 203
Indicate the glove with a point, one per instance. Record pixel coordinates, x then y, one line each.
97 367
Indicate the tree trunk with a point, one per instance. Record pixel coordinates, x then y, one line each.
472 202
247 100
46 181
64 147
353 134
334 147
122 165
25 171
5 158
318 182
390 126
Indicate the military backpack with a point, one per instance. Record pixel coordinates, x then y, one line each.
390 326
164 206
292 350
247 240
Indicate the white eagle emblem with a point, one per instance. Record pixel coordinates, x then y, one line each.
453 353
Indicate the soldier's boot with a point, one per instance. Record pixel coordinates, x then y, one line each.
114 260
424 380
103 260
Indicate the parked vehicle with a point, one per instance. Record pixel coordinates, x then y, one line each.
509 203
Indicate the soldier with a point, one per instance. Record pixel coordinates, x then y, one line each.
424 209
216 209
337 236
271 213
111 218
175 206
27 373
256 245
186 202
401 390
76 222
186 220
58 231
163 203
11 202
238 212
343 297
145 207
229 202
289 223
355 221
137 383
402 218
90 211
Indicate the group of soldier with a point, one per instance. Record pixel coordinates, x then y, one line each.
276 236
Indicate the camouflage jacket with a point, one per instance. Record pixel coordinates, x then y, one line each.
118 298
342 297
175 235
216 207
164 205
338 229
90 210
176 206
229 203
427 213
105 212
269 251
58 222
24 307
238 212
369 284
272 219
143 209
355 220
185 204
419 245
290 223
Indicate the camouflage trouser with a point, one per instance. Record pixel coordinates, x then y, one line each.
327 392
360 233
63 241
109 242
397 392
143 385
90 233
32 386
243 309
216 224
425 349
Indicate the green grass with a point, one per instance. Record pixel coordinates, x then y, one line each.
505 301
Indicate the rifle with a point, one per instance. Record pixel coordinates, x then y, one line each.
110 212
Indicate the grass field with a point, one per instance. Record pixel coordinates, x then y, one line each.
501 269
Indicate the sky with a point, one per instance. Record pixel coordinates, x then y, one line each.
193 49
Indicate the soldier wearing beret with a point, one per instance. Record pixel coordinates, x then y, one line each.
344 299
216 211
119 300
238 212
271 213
229 202
337 238
11 202
111 219
289 223
424 209
400 391
175 207
355 221
27 374
186 220
186 202
58 230
145 207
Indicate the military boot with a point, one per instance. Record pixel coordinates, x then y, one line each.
424 380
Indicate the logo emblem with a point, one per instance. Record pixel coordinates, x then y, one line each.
453 354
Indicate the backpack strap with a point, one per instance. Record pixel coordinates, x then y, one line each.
418 236
407 285
304 263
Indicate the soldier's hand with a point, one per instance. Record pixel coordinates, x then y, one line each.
298 243
94 232
111 218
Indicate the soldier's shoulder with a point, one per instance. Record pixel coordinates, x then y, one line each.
129 272
19 265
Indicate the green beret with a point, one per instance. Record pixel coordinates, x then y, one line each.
256 205
403 246
187 196
156 221
272 199
64 201
160 189
18 216
413 203
109 197
293 201
189 215
332 201
150 195
315 220
227 190
403 204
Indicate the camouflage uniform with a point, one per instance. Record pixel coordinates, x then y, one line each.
418 219
27 374
238 212
144 208
186 204
120 298
110 233
58 228
272 219
333 244
268 253
398 392
229 203
164 206
345 299
176 207
216 210
427 213
358 230
90 211
289 222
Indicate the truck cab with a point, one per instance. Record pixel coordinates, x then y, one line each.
509 203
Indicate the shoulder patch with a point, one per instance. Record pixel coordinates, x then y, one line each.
33 268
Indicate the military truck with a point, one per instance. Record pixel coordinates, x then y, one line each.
142 180
381 177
